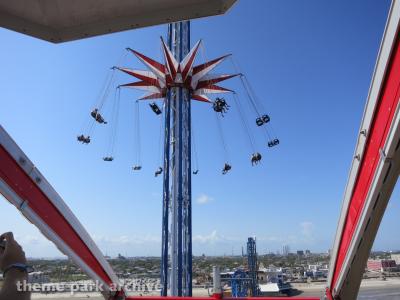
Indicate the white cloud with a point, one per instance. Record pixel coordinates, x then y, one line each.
307 229
204 199
37 246
210 238
127 240
30 239
277 240
129 245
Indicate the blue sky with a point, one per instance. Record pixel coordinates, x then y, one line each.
309 61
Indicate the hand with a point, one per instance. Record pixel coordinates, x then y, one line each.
12 253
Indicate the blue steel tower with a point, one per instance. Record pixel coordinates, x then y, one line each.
177 194
178 82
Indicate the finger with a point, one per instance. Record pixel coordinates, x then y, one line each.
11 244
8 236
3 237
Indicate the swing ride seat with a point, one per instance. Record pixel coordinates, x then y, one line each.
137 168
154 107
217 108
100 119
94 112
83 139
220 105
195 172
273 143
108 158
266 119
227 167
158 172
259 122
255 158
97 116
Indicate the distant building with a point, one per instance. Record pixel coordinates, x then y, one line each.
307 252
396 258
300 252
285 250
329 252
121 257
270 274
38 277
316 271
381 265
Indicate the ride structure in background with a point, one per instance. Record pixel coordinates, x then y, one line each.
240 284
245 283
252 266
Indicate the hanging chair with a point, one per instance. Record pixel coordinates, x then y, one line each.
154 107
255 158
273 143
226 169
220 105
265 119
83 139
259 121
97 116
158 172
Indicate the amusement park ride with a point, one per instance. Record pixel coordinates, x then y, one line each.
373 174
177 82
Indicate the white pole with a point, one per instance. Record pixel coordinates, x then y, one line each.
216 280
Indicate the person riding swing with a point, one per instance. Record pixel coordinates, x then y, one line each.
97 116
221 106
83 139
255 158
226 169
158 172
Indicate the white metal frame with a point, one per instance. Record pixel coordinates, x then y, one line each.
24 162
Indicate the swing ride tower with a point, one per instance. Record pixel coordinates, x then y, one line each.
177 82
177 183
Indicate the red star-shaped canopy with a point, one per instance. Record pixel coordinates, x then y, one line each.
160 77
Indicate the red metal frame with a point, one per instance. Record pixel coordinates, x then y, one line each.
378 134
17 179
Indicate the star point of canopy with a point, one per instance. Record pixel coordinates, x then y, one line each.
160 77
